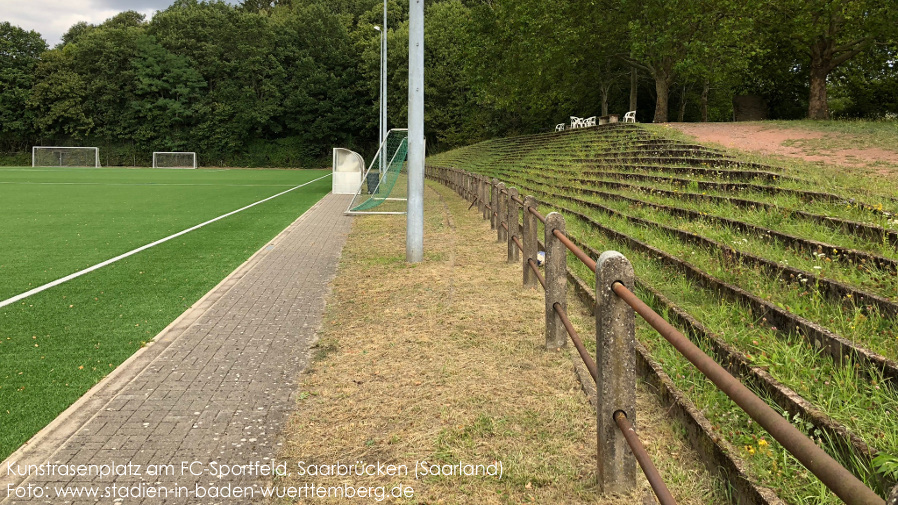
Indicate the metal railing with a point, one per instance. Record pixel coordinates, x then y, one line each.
613 370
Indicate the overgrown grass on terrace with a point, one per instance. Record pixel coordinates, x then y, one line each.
854 396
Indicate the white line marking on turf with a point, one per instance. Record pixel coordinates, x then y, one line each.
132 252
144 184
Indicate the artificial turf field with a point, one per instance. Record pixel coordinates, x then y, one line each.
56 344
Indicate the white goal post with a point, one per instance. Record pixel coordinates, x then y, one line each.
163 159
53 156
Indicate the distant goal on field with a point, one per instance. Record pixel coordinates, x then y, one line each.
163 159
52 156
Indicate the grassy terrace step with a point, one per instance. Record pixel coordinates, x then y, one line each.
765 223
861 235
837 292
731 187
723 172
683 157
777 310
819 250
864 230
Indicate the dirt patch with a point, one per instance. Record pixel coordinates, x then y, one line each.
443 362
792 142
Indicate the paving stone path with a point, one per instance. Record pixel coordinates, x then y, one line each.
213 391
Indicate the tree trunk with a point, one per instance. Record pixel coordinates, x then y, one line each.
682 113
633 89
605 90
662 88
821 56
706 89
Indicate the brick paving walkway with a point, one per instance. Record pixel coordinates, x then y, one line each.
215 387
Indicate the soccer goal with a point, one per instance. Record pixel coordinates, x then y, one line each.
48 156
174 160
385 175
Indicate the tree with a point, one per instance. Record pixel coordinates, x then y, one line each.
20 52
59 96
76 31
166 92
666 38
234 52
829 33
867 86
325 98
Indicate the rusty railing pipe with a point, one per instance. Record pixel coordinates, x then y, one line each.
642 457
539 275
542 218
833 475
578 343
582 256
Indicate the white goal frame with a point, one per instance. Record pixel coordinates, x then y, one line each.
34 150
192 154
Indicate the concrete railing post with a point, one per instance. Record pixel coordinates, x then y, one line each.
514 225
529 239
472 187
501 213
485 196
616 384
494 203
478 189
556 281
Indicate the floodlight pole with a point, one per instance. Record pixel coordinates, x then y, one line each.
382 115
414 235
383 81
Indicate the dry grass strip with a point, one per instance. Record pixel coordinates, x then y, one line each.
442 362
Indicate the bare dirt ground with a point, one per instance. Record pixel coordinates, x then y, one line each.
791 142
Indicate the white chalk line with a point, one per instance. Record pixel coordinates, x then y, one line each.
132 252
144 184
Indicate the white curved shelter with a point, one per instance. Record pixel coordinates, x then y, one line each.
348 169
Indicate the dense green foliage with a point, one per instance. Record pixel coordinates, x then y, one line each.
278 83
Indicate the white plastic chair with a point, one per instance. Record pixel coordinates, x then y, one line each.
576 122
559 127
590 121
630 117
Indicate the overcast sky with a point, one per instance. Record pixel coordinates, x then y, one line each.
52 18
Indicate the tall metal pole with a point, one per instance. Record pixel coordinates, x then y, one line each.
414 235
383 70
380 112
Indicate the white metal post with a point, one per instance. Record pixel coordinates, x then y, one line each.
414 237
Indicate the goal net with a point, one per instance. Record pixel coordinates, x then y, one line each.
44 156
174 160
385 175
